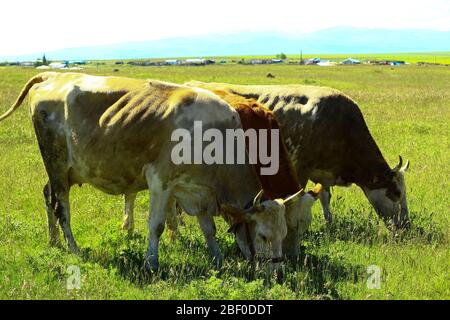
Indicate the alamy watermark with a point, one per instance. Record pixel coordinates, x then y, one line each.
374 279
221 149
74 279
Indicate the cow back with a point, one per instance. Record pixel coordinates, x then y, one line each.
255 116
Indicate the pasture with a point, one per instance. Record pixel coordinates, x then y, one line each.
407 110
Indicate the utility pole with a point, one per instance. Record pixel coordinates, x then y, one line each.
301 57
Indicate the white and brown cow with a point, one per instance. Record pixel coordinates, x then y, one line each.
115 134
330 143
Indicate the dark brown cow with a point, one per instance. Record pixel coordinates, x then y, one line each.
329 142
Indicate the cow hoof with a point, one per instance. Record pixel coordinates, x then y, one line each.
172 236
74 250
127 226
54 243
129 232
279 272
217 261
151 265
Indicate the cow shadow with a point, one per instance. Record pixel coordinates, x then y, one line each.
310 273
315 272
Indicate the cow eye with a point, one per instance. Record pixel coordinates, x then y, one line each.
263 237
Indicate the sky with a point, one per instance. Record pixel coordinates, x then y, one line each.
46 25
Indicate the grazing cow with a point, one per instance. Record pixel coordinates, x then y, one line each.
329 142
116 134
280 185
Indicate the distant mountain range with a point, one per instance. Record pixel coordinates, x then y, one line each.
334 40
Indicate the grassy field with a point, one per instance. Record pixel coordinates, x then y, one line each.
408 112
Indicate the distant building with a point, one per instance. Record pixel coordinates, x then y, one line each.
326 63
141 63
194 62
351 61
74 62
388 62
198 62
312 61
172 62
259 61
26 64
58 65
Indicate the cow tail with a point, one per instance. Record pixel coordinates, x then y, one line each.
36 79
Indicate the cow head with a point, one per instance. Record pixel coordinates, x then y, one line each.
251 236
390 200
268 222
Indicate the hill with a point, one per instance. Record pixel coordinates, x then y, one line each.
335 40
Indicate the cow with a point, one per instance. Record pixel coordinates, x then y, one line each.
330 143
279 185
115 134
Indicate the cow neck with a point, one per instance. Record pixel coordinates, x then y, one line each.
370 168
255 116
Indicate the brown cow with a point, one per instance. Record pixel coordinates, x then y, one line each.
253 115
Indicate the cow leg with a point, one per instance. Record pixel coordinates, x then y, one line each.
55 155
172 218
291 246
50 202
291 242
208 227
62 212
325 197
157 219
128 220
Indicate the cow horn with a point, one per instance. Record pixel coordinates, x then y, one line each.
400 163
294 196
405 167
257 200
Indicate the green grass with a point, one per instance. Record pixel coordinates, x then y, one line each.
408 112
